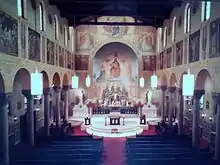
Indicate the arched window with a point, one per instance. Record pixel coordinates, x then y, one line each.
56 28
187 18
206 10
20 8
174 29
65 36
41 12
165 37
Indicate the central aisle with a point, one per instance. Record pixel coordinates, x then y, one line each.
114 151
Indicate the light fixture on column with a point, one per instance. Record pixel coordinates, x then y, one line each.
88 81
188 84
75 82
141 82
154 81
36 83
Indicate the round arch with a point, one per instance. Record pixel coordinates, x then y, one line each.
2 84
46 83
172 80
96 49
181 80
23 77
65 80
202 77
56 79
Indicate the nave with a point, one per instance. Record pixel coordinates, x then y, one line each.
89 150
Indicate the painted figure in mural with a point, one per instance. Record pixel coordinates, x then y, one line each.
146 42
115 67
85 41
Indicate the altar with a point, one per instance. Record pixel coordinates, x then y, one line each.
114 118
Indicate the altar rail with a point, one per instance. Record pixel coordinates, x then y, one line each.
122 110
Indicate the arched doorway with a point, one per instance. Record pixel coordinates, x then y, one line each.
204 83
56 98
21 87
115 67
172 97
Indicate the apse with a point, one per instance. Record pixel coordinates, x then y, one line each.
115 55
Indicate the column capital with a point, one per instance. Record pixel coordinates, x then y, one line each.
46 91
5 98
171 89
180 91
57 89
27 93
198 93
66 87
216 96
163 87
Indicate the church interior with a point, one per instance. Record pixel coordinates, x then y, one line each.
106 82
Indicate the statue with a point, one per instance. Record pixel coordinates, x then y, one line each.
81 98
115 67
149 97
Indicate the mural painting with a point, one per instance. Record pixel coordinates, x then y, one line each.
23 35
34 45
194 46
69 60
158 62
214 33
61 56
164 60
146 63
8 34
145 39
50 52
115 73
43 48
73 61
115 30
81 62
153 63
85 39
161 60
168 57
204 42
179 53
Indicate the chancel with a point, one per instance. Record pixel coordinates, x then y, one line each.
106 82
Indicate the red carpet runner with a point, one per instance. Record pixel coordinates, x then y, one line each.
114 151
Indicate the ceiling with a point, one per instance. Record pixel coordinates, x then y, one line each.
149 12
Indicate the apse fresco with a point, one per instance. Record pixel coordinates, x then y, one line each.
179 53
34 45
115 66
168 57
50 52
8 34
214 37
194 46
81 62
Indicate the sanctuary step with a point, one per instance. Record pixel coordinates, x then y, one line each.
122 110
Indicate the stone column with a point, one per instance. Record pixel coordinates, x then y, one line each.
30 116
217 137
171 104
180 112
163 89
4 100
196 115
66 102
47 111
58 98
